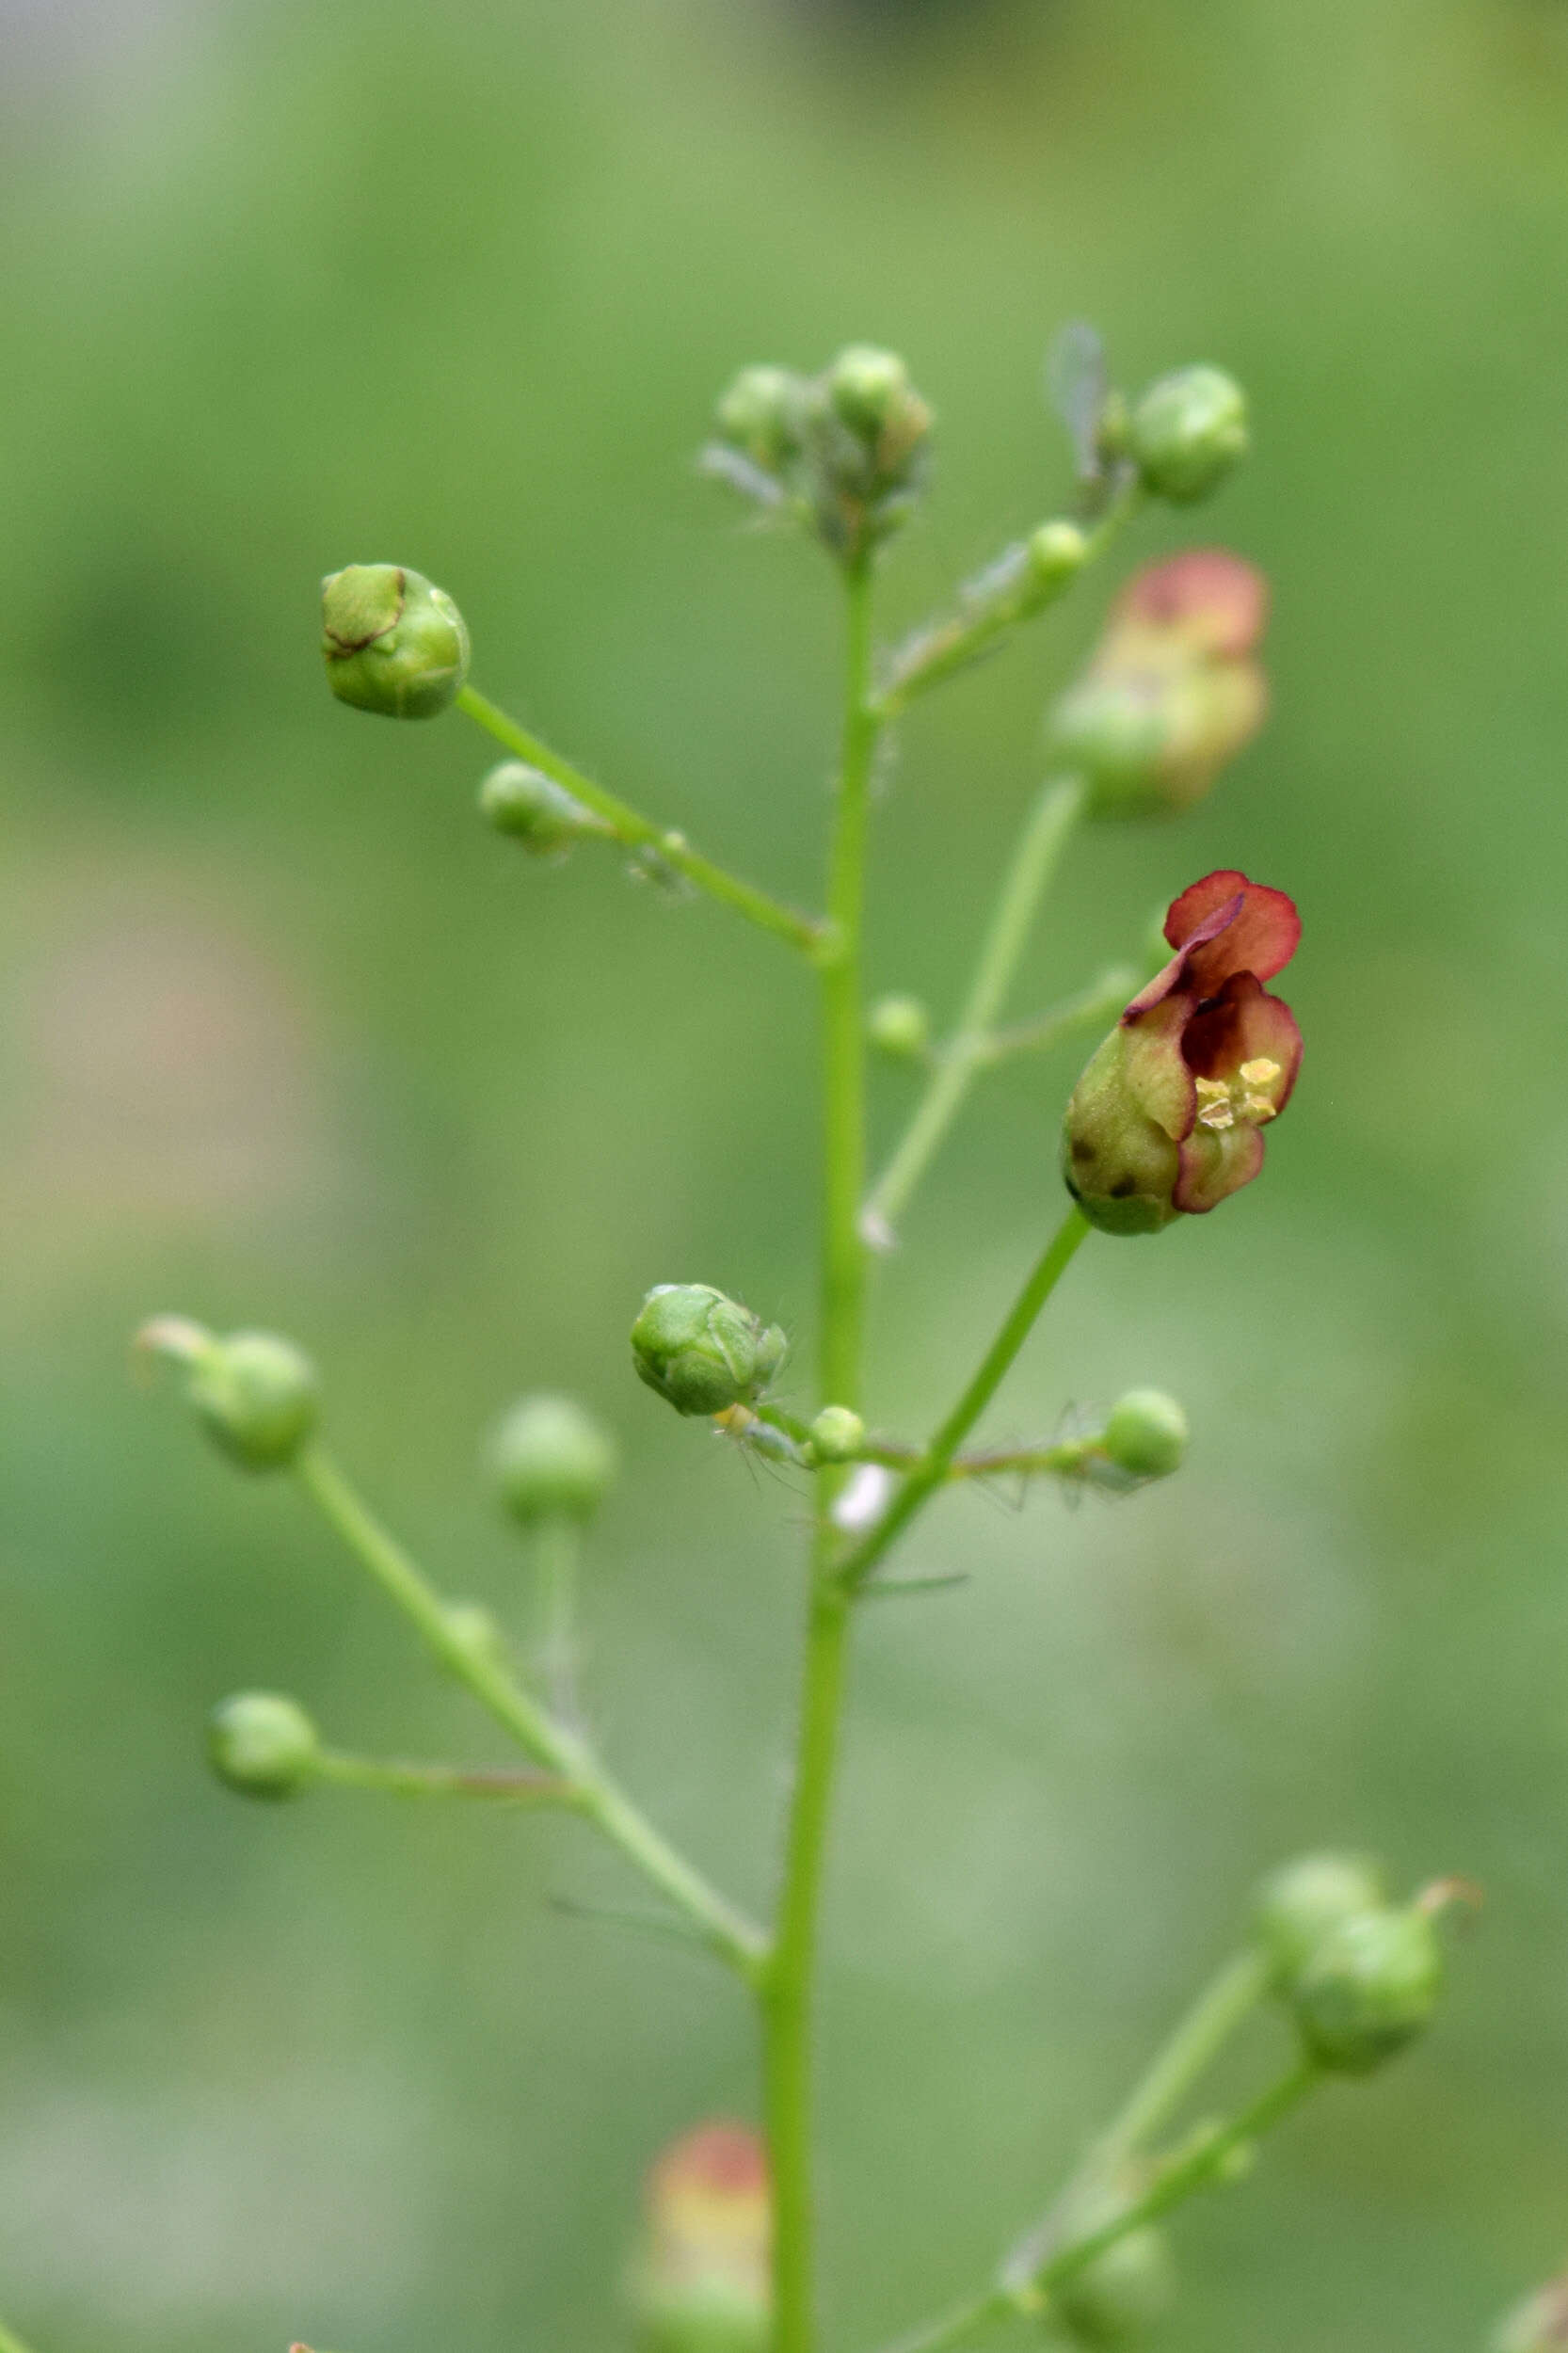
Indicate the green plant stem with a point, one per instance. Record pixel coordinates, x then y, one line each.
1102 1001
556 1544
789 1989
939 652
1225 2002
931 1473
1209 2159
9 2342
636 831
501 1787
1034 861
560 1748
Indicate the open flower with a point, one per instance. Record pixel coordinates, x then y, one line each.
1173 689
1169 1116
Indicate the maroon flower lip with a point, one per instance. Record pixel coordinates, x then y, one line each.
1212 1057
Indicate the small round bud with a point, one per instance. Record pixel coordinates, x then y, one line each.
761 415
263 1744
393 643
1299 1904
900 1026
1370 1987
549 1459
533 809
1118 2297
257 1396
701 1351
1187 432
868 388
838 1435
1057 552
1146 1434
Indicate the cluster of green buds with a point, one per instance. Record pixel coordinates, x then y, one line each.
703 1353
392 641
700 2283
256 1397
845 450
1360 1975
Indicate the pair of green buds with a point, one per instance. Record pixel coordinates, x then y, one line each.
1360 1975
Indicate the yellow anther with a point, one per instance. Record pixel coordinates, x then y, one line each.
1261 1073
1259 1107
1216 1116
1212 1090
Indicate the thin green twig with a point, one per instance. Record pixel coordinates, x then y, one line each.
498 1785
561 1748
639 832
923 1483
1034 861
10 2342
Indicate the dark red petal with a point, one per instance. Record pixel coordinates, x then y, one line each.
1262 936
1173 975
1244 1024
1210 597
1216 1164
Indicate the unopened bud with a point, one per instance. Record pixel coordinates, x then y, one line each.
1370 1987
1115 2299
257 1396
263 1744
549 1459
1187 432
838 1435
761 415
900 1026
1057 552
1298 1905
702 1351
532 808
1145 1434
1540 2325
702 2282
867 430
393 643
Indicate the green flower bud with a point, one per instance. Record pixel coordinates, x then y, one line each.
1187 432
533 809
1057 552
1540 2325
701 1351
1370 1987
257 1396
1121 1166
1118 2297
838 1435
762 416
1145 1434
869 389
263 1744
702 2285
1298 1905
393 643
549 1459
900 1026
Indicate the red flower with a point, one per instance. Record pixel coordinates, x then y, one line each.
1173 689
1169 1116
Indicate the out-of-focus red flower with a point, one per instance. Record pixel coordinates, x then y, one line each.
703 2284
1169 1116
1173 689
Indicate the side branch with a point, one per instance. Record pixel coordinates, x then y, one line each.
561 1748
639 832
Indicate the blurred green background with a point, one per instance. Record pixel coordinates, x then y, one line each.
286 1036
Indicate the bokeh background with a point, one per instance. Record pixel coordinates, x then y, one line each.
286 1036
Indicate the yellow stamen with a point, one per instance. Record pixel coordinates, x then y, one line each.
1216 1116
1261 1073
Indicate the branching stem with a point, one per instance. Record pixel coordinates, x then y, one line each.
636 831
1038 854
560 1748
